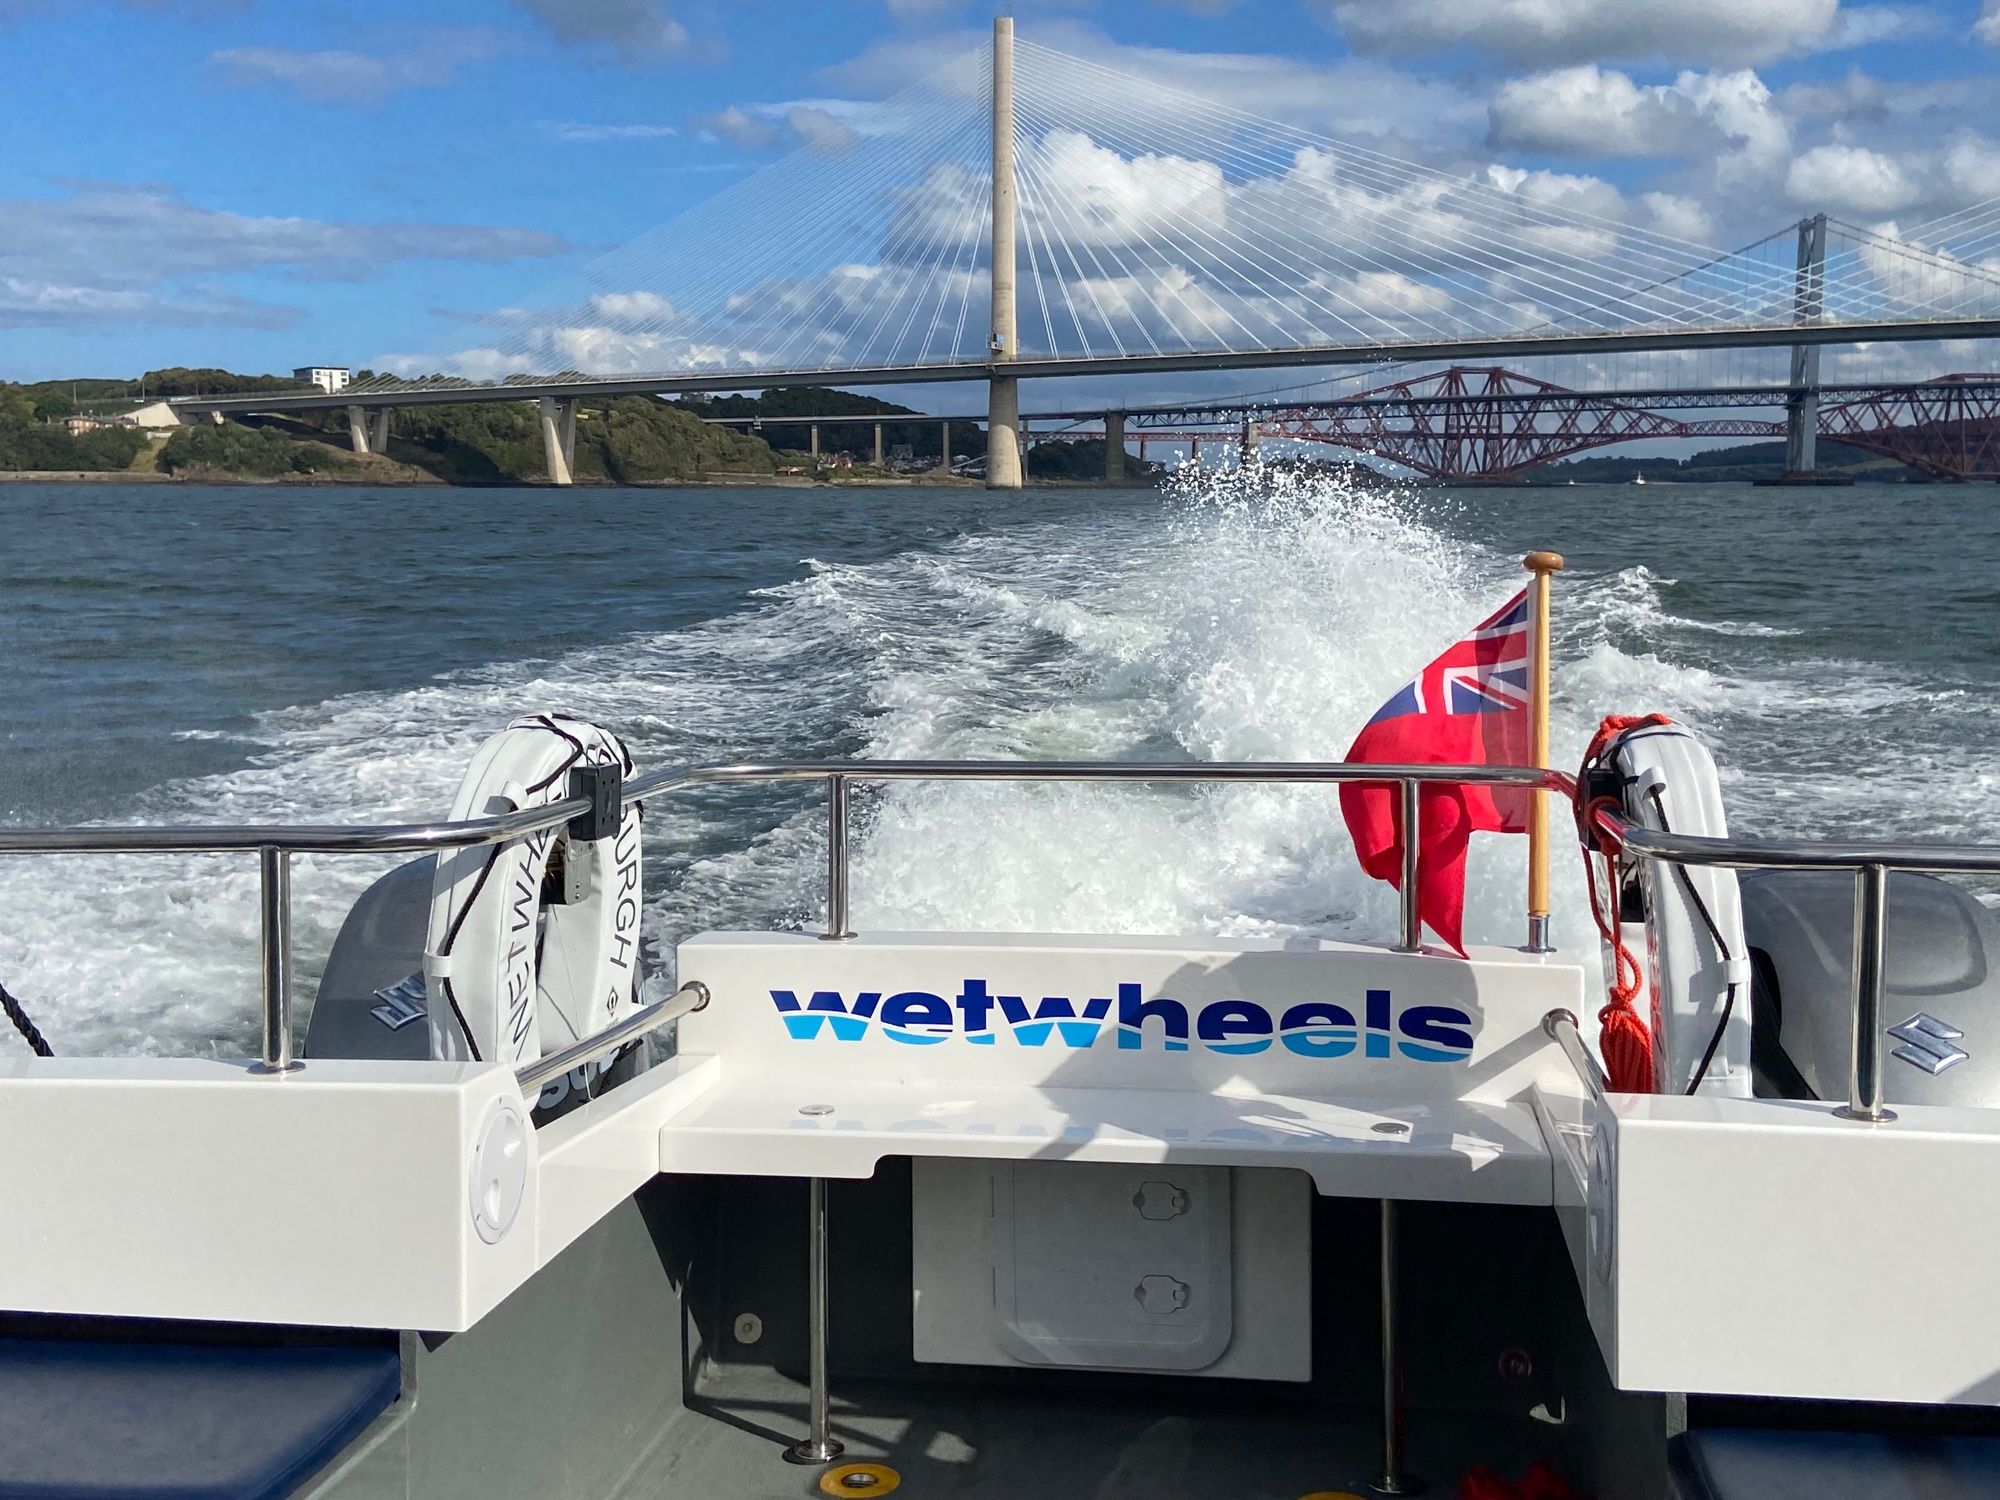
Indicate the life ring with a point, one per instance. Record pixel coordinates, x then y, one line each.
534 943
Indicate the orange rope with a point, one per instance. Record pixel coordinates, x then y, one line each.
1623 1038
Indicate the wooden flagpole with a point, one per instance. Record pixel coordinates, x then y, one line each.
1543 565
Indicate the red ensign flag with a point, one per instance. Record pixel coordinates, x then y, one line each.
1467 708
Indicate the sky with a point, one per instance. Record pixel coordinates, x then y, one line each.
261 184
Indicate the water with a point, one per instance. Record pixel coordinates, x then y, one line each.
240 654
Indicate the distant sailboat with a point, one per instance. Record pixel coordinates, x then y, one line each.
1638 478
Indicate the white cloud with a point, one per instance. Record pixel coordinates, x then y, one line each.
1384 291
1586 111
1591 111
818 127
1972 168
1987 27
28 303
1574 194
1914 278
111 251
338 76
831 125
1738 107
1853 179
739 128
1678 217
1352 97
632 307
1720 31
1109 199
1871 25
577 132
626 31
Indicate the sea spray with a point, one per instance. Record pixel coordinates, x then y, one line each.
1254 615
1267 615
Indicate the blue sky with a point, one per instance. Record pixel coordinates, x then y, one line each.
256 184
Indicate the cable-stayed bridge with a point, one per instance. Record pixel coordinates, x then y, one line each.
1025 214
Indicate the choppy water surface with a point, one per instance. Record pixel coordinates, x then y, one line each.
251 654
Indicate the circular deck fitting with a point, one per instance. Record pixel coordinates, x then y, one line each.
1389 1127
859 1479
806 1451
815 1109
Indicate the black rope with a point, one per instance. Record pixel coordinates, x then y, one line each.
38 1043
1721 945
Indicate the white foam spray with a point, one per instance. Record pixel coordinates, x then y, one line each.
1255 615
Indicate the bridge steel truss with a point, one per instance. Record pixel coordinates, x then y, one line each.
1493 424
1948 428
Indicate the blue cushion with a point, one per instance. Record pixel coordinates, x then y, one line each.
1749 1463
97 1419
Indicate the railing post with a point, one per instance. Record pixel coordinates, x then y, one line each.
1393 1480
1410 792
274 932
1871 923
818 1446
837 929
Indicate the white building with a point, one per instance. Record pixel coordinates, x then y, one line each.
330 378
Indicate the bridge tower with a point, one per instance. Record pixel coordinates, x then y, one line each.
1802 405
1003 392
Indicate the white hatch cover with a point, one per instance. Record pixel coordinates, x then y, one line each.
1124 1267
1148 1266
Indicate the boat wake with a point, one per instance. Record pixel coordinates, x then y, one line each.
1256 615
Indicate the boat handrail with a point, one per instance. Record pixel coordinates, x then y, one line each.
1560 1026
275 844
532 1077
1871 863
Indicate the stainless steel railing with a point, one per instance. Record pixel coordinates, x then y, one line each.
275 844
1560 1026
1871 864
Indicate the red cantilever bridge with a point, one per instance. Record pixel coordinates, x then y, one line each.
1489 423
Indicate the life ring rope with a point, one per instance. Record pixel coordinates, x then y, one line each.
518 974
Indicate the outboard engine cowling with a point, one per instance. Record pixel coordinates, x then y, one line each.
1941 1000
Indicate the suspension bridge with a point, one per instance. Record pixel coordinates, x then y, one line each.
1024 214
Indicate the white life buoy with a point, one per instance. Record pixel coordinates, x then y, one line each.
1698 958
520 973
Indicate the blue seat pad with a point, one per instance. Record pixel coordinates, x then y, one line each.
1750 1463
99 1419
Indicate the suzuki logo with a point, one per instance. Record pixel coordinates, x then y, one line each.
402 1003
1927 1044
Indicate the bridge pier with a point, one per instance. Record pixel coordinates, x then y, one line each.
1247 453
1003 392
1802 404
357 428
558 420
812 433
378 430
880 461
944 448
1114 447
1003 434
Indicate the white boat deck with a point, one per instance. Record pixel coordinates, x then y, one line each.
838 1126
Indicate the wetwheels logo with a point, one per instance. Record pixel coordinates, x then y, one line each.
1312 1028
